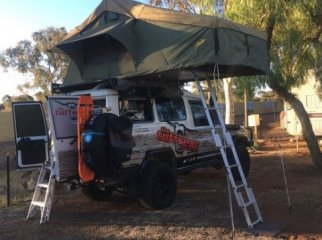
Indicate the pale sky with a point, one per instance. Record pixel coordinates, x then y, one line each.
20 18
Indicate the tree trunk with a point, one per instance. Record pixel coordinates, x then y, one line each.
307 130
245 109
229 104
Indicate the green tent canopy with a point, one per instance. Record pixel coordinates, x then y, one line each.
133 41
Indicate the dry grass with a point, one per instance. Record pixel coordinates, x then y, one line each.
17 191
6 127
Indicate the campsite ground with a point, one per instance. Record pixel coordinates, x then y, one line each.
200 211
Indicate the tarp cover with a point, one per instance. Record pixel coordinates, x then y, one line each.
130 40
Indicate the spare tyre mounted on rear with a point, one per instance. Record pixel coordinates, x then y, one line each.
107 142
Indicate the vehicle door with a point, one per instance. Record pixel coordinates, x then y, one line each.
31 135
62 113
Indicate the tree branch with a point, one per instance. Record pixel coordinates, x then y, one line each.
270 29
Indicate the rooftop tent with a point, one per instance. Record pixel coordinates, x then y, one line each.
130 40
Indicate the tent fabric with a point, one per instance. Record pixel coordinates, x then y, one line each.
130 40
141 11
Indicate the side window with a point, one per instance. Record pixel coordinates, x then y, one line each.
170 109
136 109
198 114
99 103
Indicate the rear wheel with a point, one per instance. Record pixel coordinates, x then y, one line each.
159 186
94 192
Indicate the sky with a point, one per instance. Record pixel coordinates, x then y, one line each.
20 18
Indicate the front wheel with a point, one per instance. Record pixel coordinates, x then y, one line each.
159 186
244 160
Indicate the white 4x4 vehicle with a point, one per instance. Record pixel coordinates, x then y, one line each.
137 146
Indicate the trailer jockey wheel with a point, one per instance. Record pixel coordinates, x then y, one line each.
158 186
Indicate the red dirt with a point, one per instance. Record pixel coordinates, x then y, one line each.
200 211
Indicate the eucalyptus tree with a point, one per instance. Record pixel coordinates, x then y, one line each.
36 62
294 30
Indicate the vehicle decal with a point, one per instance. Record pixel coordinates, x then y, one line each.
165 135
68 108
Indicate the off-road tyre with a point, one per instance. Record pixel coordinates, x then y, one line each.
244 159
158 186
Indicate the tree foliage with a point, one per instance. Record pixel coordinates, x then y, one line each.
34 59
7 99
250 84
294 35
23 98
208 7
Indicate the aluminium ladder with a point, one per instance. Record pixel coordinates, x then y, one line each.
223 140
43 194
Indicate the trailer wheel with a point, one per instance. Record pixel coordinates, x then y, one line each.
158 186
97 193
244 160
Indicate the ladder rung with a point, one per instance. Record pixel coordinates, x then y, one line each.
249 204
240 186
43 185
203 89
256 221
234 165
38 203
226 146
47 167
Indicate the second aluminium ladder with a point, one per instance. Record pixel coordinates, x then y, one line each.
223 140
43 194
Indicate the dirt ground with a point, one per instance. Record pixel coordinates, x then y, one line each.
200 211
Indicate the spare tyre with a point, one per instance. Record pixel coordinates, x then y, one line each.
107 142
